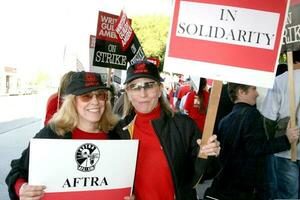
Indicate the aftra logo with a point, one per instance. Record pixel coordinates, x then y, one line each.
86 156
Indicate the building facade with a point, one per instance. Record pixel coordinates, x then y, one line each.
9 81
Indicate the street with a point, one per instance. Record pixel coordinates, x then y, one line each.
21 118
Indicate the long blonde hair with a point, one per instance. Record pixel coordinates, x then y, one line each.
66 119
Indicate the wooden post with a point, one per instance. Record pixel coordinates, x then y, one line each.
211 112
292 102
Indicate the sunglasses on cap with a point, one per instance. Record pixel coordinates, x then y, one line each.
139 86
100 95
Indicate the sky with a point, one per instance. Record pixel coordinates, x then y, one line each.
44 34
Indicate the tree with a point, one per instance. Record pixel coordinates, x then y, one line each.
152 32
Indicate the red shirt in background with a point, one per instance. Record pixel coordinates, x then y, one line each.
171 98
192 107
183 90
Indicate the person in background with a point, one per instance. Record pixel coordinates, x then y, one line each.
85 114
271 159
118 107
55 100
170 96
168 164
244 148
196 104
182 91
275 109
182 103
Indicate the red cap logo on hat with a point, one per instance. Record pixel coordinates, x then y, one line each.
91 80
140 68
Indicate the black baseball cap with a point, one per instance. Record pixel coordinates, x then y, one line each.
142 69
84 82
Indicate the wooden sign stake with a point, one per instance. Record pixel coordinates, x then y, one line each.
292 102
211 112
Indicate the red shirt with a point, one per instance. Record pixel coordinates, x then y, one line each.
183 90
80 134
192 107
153 180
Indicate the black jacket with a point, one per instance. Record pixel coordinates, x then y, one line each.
20 167
177 136
244 146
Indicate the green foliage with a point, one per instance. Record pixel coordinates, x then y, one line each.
152 32
282 58
40 79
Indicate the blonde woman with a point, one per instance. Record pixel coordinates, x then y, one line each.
85 114
168 164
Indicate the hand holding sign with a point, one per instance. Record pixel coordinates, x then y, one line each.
31 191
212 148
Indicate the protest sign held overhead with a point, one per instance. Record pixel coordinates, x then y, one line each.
101 70
291 34
129 42
236 41
108 51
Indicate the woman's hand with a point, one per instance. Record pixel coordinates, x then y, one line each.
131 197
31 192
212 148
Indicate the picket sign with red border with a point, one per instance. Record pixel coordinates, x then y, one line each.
235 41
83 169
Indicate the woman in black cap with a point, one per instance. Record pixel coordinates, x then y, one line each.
168 163
85 114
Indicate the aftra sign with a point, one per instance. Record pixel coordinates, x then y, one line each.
235 41
83 169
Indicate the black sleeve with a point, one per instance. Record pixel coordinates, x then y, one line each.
270 127
113 134
200 165
256 142
20 167
189 134
212 169
120 131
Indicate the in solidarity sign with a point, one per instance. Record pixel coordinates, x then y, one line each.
236 41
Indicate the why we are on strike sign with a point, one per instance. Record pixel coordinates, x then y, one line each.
83 169
236 41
